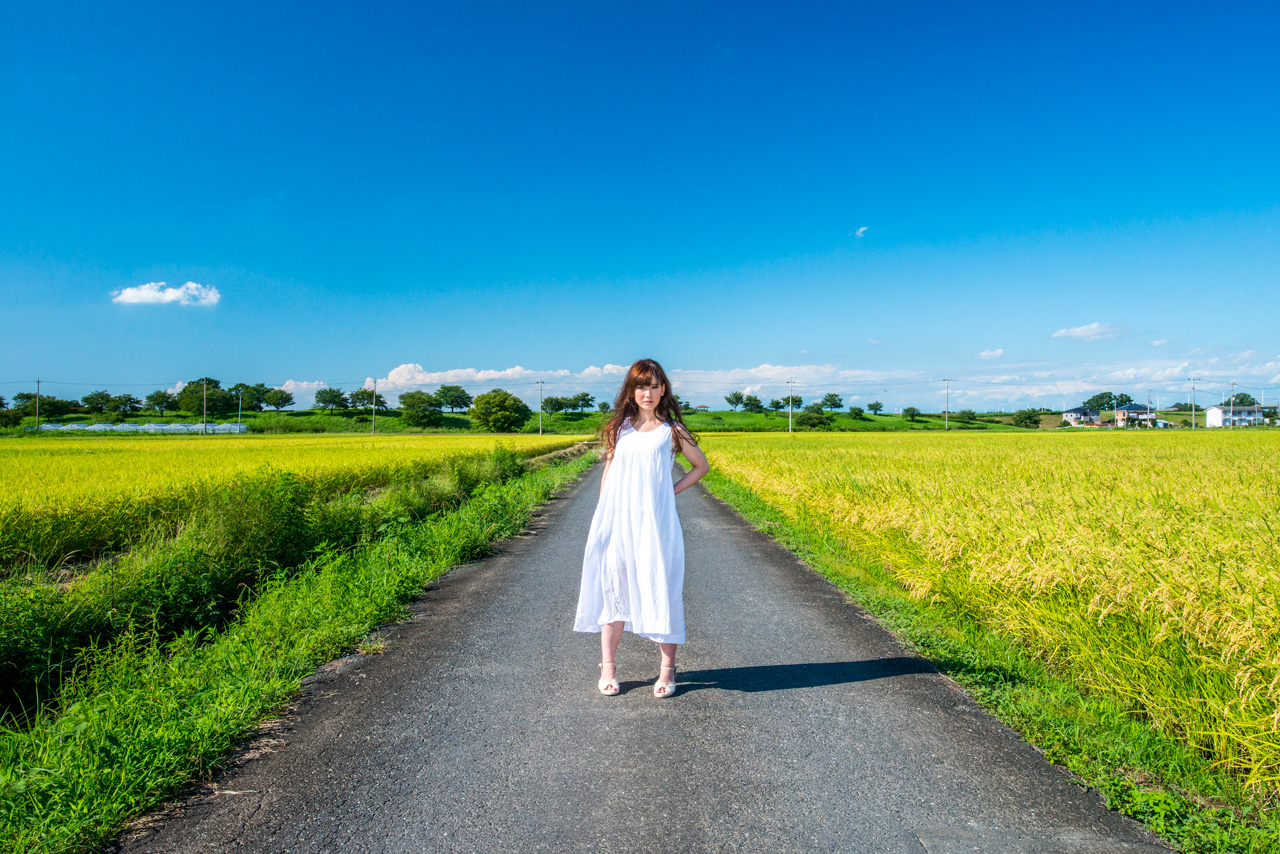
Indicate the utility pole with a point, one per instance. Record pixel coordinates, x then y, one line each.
1148 407
1193 402
204 406
373 428
946 415
540 382
791 401
37 404
239 405
1231 404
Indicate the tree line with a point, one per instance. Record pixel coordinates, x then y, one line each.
198 396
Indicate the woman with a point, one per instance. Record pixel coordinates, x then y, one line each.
633 570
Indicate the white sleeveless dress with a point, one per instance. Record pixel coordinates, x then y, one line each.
633 569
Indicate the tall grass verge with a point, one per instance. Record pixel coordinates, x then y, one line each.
149 716
262 524
1142 773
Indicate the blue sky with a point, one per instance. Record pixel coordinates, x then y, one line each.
1037 202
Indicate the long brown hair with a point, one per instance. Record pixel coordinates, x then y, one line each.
644 372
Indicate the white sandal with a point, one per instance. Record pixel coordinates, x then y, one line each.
665 689
608 687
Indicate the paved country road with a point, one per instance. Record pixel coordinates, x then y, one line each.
799 725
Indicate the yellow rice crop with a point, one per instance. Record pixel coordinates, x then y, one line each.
67 498
1144 565
52 471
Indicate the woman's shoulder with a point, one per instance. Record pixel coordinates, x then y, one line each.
680 430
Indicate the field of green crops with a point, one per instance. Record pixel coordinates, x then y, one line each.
71 499
1144 567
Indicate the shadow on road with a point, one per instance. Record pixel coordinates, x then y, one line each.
778 677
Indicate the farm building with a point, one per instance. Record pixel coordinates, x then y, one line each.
1080 416
1135 415
1234 416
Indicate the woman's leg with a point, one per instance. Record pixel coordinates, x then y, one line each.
668 661
610 634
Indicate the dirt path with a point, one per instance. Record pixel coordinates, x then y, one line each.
799 725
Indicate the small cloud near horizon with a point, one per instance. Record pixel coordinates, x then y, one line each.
1088 332
1160 343
991 354
874 341
156 293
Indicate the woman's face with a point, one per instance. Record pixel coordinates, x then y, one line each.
647 396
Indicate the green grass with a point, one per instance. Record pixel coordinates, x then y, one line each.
1141 773
256 527
149 716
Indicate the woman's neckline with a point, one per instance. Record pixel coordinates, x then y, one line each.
661 424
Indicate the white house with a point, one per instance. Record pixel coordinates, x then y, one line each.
1234 416
1080 415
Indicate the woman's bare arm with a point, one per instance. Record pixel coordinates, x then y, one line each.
608 461
696 458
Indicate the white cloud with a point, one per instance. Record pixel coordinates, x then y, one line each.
303 386
861 231
177 387
156 293
991 354
874 341
1160 343
1088 332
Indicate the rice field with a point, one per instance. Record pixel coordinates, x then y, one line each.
68 499
1144 566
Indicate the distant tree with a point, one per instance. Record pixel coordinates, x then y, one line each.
777 405
1122 400
1100 401
24 402
964 416
1186 407
911 413
832 401
582 400
553 404
365 398
331 399
124 404
96 401
812 419
816 406
253 398
161 401
856 412
795 401
604 406
734 399
278 398
874 407
498 411
685 405
4 404
751 403
453 397
421 409
192 397
1242 398
1029 418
